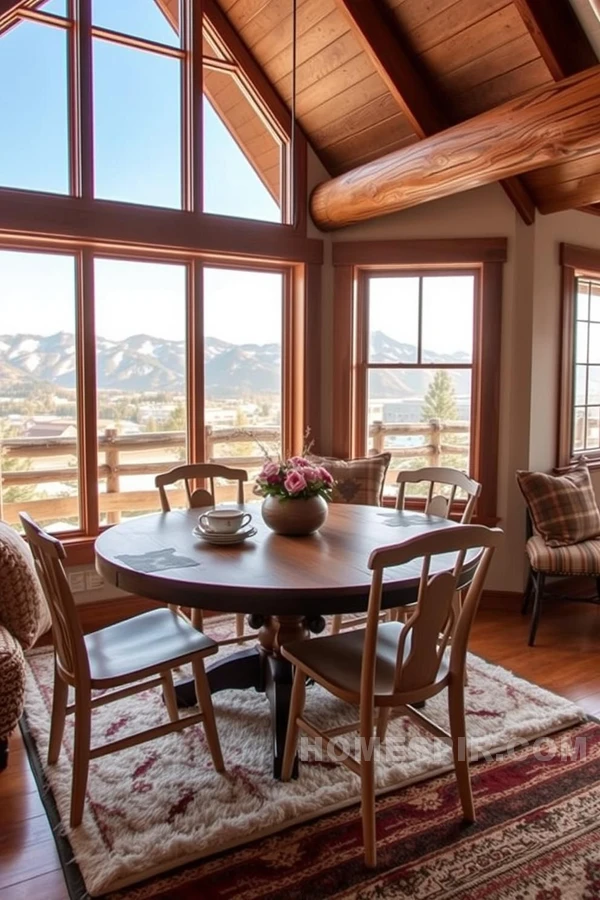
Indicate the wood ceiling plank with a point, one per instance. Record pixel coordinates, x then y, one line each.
561 40
339 166
564 171
490 65
484 97
476 41
392 130
394 63
314 68
570 194
352 72
381 107
454 19
274 26
243 10
278 42
544 126
319 39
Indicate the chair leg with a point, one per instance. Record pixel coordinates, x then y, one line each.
197 619
169 695
59 714
537 607
382 721
296 708
458 733
205 704
367 785
81 754
239 624
528 593
336 624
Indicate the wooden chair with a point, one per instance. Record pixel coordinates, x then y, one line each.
440 504
435 505
199 497
391 664
147 647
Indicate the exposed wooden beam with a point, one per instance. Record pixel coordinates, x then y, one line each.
539 128
566 49
393 60
400 70
563 44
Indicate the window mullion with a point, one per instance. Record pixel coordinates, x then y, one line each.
195 135
195 363
86 394
82 100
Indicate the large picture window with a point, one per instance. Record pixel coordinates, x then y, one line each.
155 277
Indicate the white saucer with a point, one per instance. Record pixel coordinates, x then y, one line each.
213 537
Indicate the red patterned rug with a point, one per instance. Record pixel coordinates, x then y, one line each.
537 837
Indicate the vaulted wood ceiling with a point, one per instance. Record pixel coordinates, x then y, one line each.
375 76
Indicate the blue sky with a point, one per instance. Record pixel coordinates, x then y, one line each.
137 160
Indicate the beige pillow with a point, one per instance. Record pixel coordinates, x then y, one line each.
563 507
23 608
358 480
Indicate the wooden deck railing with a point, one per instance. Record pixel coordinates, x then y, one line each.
169 447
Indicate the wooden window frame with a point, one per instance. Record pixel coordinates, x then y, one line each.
84 226
300 406
352 262
199 17
575 262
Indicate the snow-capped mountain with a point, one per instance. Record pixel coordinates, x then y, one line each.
140 363
143 363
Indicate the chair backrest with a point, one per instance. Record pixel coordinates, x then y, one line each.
440 504
434 618
48 554
199 472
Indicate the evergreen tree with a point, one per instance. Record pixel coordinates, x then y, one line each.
440 399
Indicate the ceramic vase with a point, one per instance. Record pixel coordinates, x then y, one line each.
303 515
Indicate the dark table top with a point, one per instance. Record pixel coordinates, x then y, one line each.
323 573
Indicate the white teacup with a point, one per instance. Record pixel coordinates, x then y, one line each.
224 521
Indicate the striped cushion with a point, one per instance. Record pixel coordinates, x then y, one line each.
358 480
563 508
576 559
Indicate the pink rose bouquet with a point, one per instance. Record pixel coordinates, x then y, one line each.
293 478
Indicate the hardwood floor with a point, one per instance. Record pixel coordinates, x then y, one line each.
565 660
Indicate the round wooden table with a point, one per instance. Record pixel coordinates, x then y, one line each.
287 584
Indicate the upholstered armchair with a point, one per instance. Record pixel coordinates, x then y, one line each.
24 616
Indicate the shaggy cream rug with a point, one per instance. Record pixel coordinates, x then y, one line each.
161 804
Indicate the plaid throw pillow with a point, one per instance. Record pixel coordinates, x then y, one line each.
563 507
359 480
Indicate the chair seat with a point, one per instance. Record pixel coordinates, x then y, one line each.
337 659
144 642
574 559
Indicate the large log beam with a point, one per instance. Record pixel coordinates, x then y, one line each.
544 126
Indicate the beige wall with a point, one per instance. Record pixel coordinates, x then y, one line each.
530 332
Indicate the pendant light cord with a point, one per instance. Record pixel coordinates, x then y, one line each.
294 187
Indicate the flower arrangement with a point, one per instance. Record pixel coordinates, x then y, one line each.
293 478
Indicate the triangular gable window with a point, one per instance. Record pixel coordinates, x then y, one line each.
138 116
